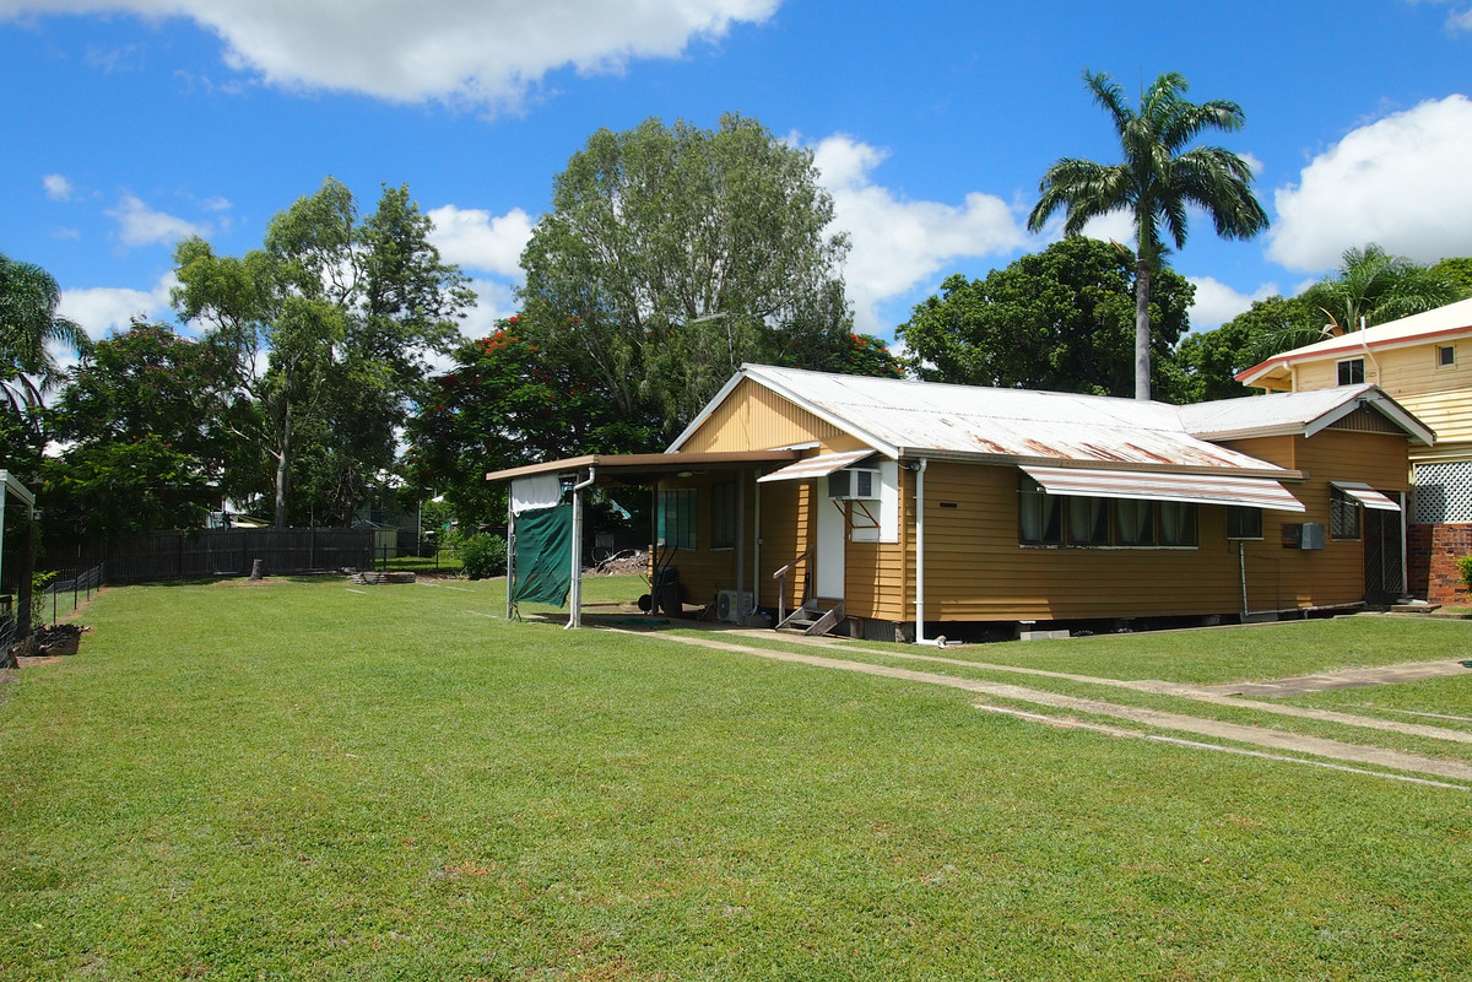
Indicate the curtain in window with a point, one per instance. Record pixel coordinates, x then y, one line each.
1038 515
1177 524
1135 522
1088 521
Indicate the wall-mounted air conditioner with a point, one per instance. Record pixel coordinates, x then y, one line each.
854 484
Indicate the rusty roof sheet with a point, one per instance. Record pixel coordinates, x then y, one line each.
903 416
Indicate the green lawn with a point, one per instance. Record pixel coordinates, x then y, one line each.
297 779
1233 654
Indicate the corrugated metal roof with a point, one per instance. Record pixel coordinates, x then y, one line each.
819 466
1366 495
1206 489
894 415
1450 320
1266 412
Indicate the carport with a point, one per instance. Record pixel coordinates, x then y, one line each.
544 523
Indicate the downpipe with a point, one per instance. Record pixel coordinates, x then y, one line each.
920 637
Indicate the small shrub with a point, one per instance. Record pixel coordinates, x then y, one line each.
1465 564
483 555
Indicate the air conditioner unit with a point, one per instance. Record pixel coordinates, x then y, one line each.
732 606
854 484
1312 536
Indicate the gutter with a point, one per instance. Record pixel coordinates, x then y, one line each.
965 457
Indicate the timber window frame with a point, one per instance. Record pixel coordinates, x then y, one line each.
1039 515
1446 356
1244 524
1345 523
723 516
1350 371
675 521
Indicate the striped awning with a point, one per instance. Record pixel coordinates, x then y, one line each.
1205 489
1366 495
819 466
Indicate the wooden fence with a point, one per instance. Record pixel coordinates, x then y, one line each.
203 553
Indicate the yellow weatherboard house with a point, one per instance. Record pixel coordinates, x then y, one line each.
1424 362
890 508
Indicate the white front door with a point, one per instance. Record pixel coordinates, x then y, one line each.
832 532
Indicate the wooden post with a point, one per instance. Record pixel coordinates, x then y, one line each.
510 550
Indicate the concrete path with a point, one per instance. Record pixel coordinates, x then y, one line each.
1258 736
1347 678
1207 694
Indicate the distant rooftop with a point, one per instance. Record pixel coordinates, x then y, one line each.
1452 320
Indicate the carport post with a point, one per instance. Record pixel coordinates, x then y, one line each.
510 547
575 599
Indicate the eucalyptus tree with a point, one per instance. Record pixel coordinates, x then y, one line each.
672 254
328 328
1159 178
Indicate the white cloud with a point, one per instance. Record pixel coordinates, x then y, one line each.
66 232
485 52
1400 181
100 309
494 300
476 239
1459 21
897 242
1252 160
1216 302
139 224
216 203
58 188
1116 226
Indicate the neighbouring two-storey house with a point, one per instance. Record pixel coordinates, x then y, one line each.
1424 362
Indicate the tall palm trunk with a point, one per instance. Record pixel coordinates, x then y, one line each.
1142 328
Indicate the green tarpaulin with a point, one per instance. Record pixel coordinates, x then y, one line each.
543 561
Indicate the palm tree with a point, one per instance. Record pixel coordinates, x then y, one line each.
1372 287
1157 181
29 325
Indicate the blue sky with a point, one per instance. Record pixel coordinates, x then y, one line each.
142 120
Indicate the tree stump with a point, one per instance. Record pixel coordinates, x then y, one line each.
257 569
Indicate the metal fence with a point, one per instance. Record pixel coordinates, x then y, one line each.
62 596
206 553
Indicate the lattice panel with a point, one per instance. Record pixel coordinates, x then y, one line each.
1443 492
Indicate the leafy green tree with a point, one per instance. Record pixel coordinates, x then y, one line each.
1212 359
505 403
328 328
145 446
1372 286
1458 270
673 254
1156 182
1061 319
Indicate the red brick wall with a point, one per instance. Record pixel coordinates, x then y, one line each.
1432 552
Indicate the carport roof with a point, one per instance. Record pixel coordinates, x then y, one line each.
632 466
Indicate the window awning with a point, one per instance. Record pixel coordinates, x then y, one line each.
1204 489
819 466
1366 495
